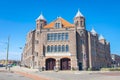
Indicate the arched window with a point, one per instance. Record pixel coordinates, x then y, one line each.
66 36
63 36
67 48
80 41
76 23
55 36
82 23
63 48
52 48
59 48
52 37
57 25
55 48
40 25
48 49
37 26
58 36
49 37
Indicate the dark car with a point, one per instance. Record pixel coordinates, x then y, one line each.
1 65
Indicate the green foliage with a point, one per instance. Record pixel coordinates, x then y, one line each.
89 69
74 69
110 69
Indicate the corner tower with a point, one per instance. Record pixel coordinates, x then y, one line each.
81 41
79 20
102 39
40 22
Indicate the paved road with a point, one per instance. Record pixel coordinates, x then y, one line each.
81 75
6 75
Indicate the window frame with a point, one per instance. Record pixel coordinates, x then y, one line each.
67 48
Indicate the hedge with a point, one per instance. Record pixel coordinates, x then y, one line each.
110 69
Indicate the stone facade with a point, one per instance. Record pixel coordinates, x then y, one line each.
65 46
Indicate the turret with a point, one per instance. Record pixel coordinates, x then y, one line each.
102 39
79 20
93 32
40 22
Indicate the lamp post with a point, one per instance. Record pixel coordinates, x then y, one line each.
21 56
7 51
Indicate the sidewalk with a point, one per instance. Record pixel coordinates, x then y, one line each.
66 75
17 68
30 73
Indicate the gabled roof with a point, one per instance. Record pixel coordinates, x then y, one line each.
65 24
79 14
41 17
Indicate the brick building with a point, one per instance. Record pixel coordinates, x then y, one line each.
115 60
65 46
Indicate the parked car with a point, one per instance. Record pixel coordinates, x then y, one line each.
9 65
1 65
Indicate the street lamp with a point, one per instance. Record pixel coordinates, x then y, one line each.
7 51
21 56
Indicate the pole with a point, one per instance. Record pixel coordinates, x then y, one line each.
7 52
21 57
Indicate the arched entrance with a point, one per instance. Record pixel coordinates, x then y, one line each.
50 63
65 64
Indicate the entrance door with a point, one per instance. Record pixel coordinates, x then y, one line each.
65 64
80 66
50 63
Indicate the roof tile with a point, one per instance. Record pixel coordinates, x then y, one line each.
65 24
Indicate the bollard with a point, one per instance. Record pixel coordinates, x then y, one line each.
9 68
55 69
40 69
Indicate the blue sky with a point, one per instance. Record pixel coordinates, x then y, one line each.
17 18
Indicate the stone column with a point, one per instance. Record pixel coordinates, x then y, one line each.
57 64
44 63
74 65
90 54
84 57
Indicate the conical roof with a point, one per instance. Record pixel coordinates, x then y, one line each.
93 31
41 17
79 14
101 37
